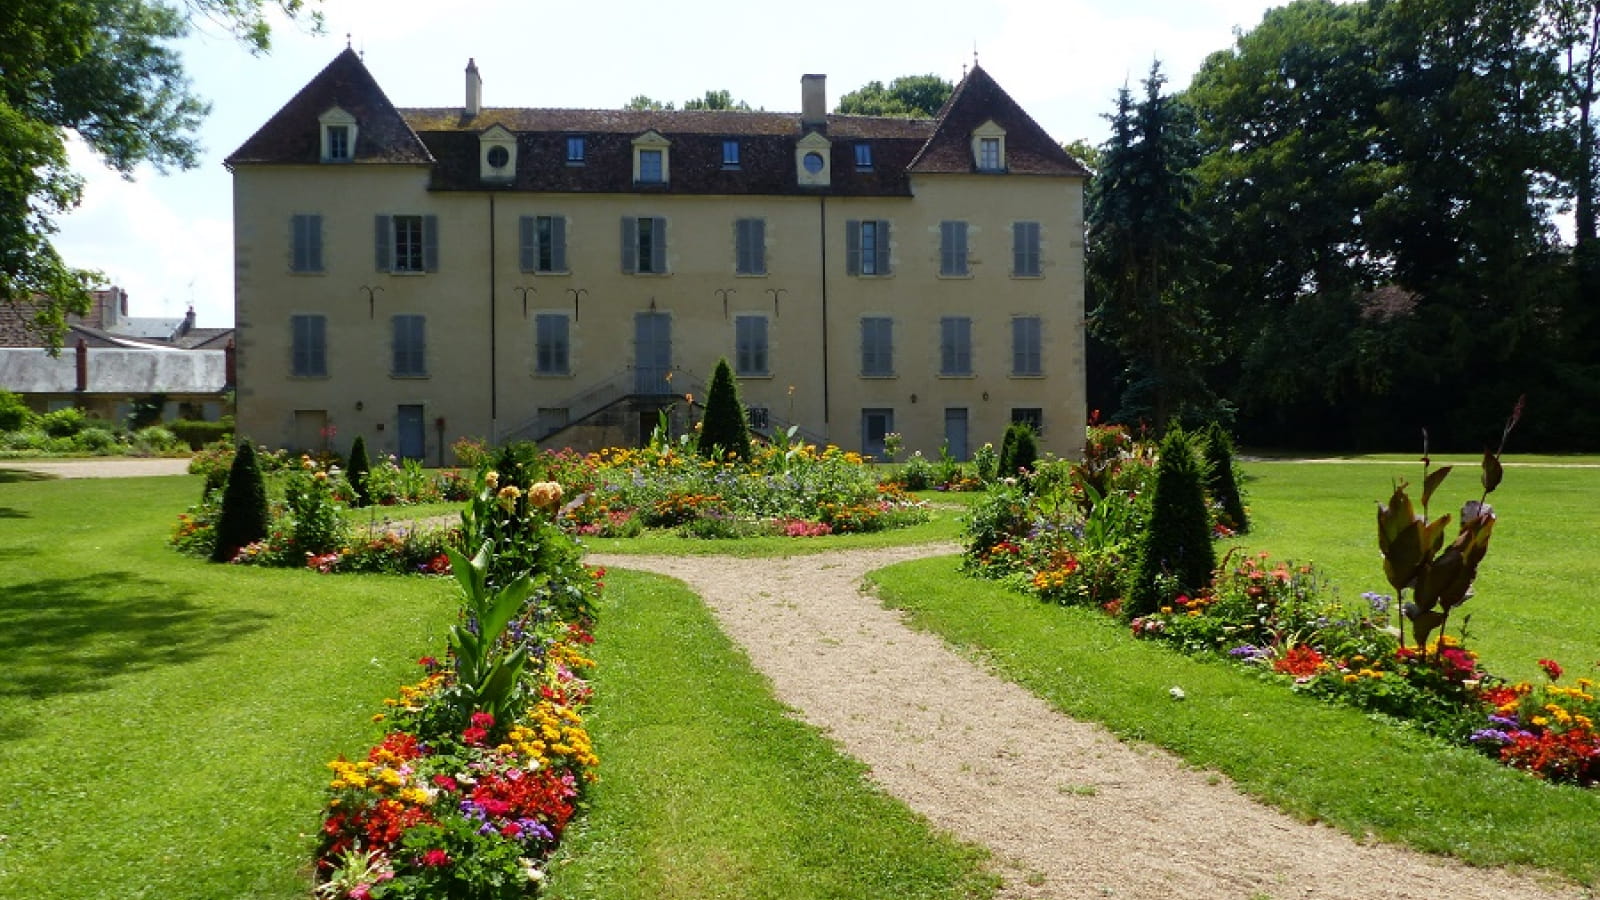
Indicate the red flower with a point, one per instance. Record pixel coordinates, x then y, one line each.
1302 661
435 858
483 719
1551 668
474 736
427 661
445 782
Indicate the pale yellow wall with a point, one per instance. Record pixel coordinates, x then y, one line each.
700 235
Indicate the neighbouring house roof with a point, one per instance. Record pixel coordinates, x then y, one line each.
448 139
115 371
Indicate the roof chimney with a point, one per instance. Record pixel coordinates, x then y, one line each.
813 100
474 90
83 365
230 363
188 322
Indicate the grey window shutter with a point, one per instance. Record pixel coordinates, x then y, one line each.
430 243
1019 246
758 246
658 245
741 246
384 238
630 244
947 248
852 247
883 247
527 241
558 243
314 243
961 248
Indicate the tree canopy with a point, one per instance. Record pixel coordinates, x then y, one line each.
107 71
710 100
909 97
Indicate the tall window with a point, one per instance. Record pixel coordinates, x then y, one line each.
955 345
1025 249
574 150
952 248
750 345
543 243
407 243
989 154
644 245
309 345
750 246
866 247
650 169
730 154
410 346
305 243
877 345
863 156
552 349
1026 347
338 142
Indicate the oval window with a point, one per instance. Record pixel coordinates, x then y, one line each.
813 162
499 156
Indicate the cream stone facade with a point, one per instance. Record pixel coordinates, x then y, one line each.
539 275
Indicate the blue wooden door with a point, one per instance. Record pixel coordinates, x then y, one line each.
413 436
652 353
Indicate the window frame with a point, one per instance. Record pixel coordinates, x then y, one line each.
1027 347
308 345
576 142
652 162
857 261
552 346
305 244
752 346
1026 260
877 347
388 244
953 255
408 345
638 256
542 244
750 246
730 153
863 156
955 346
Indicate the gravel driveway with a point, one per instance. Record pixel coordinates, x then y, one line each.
100 466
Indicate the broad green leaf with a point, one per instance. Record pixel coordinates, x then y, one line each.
1432 482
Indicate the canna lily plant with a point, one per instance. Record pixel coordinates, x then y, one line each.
487 672
1415 555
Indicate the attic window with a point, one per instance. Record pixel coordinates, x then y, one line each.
989 147
338 135
863 157
574 150
730 154
650 162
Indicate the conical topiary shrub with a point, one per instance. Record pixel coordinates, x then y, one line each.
1019 450
243 519
356 473
1175 556
1224 481
724 429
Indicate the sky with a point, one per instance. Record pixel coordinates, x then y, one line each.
167 238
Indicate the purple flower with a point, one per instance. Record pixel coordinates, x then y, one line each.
1490 735
1505 721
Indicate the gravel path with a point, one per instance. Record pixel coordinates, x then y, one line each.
100 466
1067 809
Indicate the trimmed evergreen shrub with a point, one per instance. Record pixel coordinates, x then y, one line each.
244 506
724 428
1019 450
1224 479
356 473
1175 555
198 433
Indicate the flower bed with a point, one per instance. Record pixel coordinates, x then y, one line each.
484 760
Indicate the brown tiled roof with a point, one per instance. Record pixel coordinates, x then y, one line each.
448 139
293 135
976 100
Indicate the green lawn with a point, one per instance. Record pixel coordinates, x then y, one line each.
164 722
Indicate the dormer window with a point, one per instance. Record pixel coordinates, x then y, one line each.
497 155
730 154
574 150
863 157
338 135
989 147
812 158
650 163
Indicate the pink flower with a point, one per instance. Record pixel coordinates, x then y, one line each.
483 719
474 736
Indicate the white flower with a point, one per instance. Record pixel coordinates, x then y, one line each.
529 870
1177 692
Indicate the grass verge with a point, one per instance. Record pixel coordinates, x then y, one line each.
709 790
1362 775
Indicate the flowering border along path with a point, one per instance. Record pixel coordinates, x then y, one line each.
1067 809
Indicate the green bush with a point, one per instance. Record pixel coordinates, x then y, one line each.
917 473
1019 450
243 519
315 525
357 471
95 439
14 413
724 429
1176 556
155 440
63 422
1224 481
198 434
